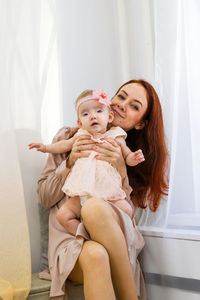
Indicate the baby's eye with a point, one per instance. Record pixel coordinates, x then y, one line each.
121 96
134 106
85 114
99 110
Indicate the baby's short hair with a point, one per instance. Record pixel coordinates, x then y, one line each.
83 94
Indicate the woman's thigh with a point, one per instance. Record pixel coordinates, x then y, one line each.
92 254
95 210
98 209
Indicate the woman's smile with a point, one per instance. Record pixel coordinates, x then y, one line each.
117 113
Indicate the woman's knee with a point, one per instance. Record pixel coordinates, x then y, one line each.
93 256
97 212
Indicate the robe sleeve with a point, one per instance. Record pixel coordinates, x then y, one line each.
54 173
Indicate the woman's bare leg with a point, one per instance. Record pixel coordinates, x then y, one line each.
101 222
68 214
93 270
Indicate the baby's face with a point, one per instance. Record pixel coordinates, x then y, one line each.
94 116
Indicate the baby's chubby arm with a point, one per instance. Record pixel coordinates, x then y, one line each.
131 158
58 147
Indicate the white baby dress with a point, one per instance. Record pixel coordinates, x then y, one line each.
93 177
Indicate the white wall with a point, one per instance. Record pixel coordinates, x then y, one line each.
89 49
140 35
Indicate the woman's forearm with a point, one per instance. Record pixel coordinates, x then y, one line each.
54 173
48 199
50 187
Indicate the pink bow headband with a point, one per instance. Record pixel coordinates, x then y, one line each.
100 96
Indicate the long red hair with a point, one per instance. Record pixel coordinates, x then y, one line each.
149 179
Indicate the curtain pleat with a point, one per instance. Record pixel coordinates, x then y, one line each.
177 73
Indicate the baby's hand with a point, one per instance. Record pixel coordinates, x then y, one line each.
40 147
135 158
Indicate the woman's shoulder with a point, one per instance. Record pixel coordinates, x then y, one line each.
65 133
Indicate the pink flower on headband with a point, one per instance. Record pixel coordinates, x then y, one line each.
102 97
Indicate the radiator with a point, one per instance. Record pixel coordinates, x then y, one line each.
171 264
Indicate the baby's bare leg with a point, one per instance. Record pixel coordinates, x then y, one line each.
69 213
125 206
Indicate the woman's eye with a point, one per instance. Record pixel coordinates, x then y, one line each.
121 96
134 106
99 110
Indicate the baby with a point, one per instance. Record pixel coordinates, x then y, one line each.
89 176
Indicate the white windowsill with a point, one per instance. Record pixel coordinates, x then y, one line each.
179 226
183 234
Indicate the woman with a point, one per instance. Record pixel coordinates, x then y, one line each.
104 257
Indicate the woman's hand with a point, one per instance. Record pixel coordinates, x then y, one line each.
112 154
82 144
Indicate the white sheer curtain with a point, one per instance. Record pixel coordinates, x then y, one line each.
30 100
177 73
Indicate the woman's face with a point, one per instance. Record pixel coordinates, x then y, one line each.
129 106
